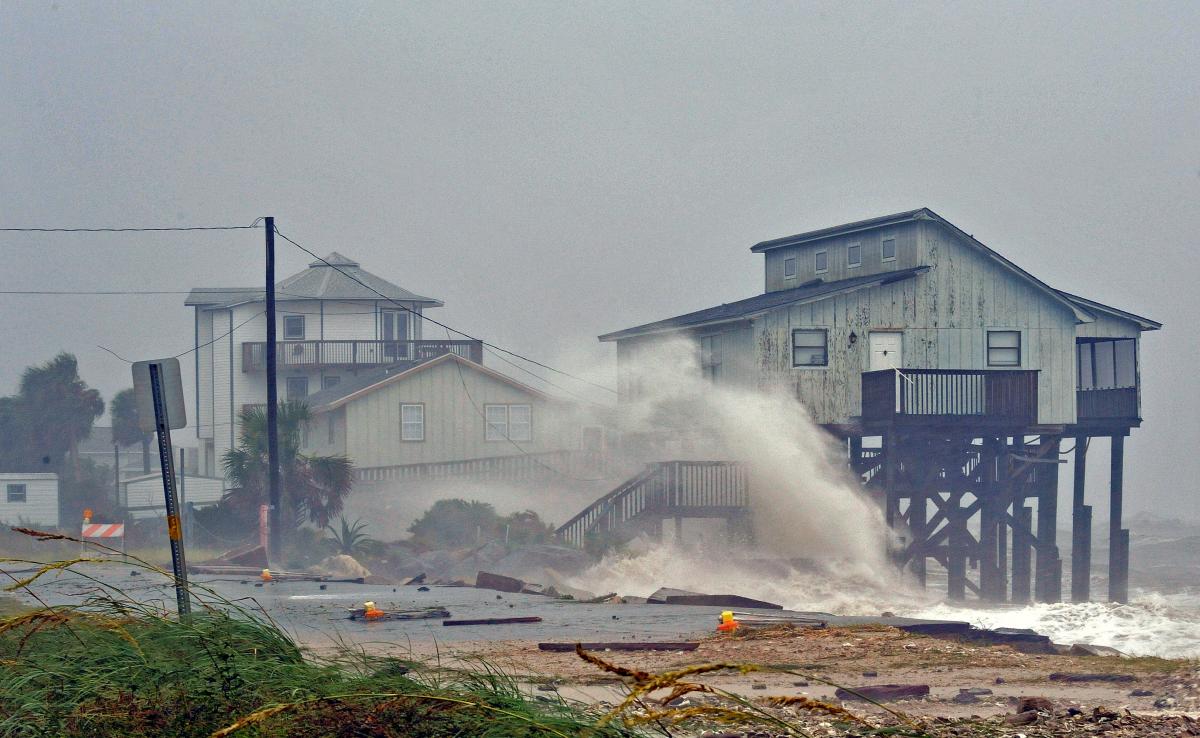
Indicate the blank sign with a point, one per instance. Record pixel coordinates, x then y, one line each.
172 389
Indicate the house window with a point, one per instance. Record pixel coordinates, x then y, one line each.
508 422
710 357
821 261
854 255
810 347
412 422
16 493
520 422
789 268
1004 348
330 380
887 249
297 388
293 327
1107 364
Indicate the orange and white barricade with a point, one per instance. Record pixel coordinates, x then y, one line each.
105 531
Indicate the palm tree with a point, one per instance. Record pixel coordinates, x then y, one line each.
59 408
125 429
311 487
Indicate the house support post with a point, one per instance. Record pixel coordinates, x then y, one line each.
1118 538
1081 528
1048 578
956 553
891 469
916 522
1022 553
991 587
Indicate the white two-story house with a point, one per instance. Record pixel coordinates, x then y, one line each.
330 329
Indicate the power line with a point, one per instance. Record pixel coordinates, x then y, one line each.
515 445
443 325
95 292
130 230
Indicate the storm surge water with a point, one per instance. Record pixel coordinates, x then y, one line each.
820 543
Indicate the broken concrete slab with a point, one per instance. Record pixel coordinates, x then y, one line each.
883 692
1089 649
669 596
498 582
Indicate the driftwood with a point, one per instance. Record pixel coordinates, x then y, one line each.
621 646
428 614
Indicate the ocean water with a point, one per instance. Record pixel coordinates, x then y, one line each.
1152 624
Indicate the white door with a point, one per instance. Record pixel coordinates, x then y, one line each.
887 350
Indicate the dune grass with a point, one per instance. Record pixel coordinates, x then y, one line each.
111 666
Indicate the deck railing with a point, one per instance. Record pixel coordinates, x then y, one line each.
663 489
317 354
993 395
1107 404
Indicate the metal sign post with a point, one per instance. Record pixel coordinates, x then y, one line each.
165 391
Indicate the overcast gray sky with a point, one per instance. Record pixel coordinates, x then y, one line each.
554 171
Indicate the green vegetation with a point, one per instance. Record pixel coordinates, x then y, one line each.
455 523
314 488
125 425
42 426
350 538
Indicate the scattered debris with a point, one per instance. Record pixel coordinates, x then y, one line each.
493 621
883 692
1023 718
422 588
418 579
1063 676
1036 704
1141 693
621 646
430 613
668 596
1166 703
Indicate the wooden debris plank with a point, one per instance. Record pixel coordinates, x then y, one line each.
493 621
619 646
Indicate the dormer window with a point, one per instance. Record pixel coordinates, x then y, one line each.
293 327
854 255
887 249
821 262
789 268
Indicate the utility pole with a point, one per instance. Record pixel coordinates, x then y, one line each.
274 542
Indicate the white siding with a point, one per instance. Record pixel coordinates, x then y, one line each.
145 494
454 426
41 500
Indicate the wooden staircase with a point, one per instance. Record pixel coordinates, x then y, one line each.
664 489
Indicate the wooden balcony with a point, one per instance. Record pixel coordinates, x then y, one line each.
994 397
1119 405
352 354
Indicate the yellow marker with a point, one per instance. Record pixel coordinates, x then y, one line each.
174 530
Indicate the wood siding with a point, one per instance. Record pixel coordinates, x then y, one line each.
944 315
907 255
454 425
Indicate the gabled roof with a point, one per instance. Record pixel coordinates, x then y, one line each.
1144 324
331 278
744 309
1081 314
345 392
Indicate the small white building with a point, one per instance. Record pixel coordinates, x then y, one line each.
29 499
142 496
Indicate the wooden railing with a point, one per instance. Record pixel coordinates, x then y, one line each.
525 467
664 489
316 354
992 395
1107 404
